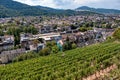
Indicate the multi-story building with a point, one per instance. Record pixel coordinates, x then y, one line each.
6 42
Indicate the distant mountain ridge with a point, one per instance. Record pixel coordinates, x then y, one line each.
10 8
99 10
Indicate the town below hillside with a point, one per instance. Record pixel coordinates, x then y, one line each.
93 62
46 35
59 40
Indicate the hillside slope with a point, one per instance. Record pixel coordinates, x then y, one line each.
74 65
99 10
10 8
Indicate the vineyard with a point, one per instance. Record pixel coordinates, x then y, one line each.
72 65
115 75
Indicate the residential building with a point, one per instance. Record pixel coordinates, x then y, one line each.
6 42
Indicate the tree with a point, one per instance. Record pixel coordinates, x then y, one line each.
25 30
44 52
33 30
82 29
67 45
35 42
74 46
55 26
1 32
30 29
73 26
55 49
50 44
16 32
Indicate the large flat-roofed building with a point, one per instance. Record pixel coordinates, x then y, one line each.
34 42
50 36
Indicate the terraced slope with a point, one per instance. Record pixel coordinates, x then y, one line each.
73 65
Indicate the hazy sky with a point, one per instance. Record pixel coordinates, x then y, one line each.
71 4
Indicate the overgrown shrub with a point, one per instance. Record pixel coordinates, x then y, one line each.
44 52
51 43
67 46
55 49
83 29
74 46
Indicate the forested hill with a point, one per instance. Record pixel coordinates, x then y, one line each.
99 10
9 8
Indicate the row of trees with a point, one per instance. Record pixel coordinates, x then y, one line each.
51 48
17 30
91 24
